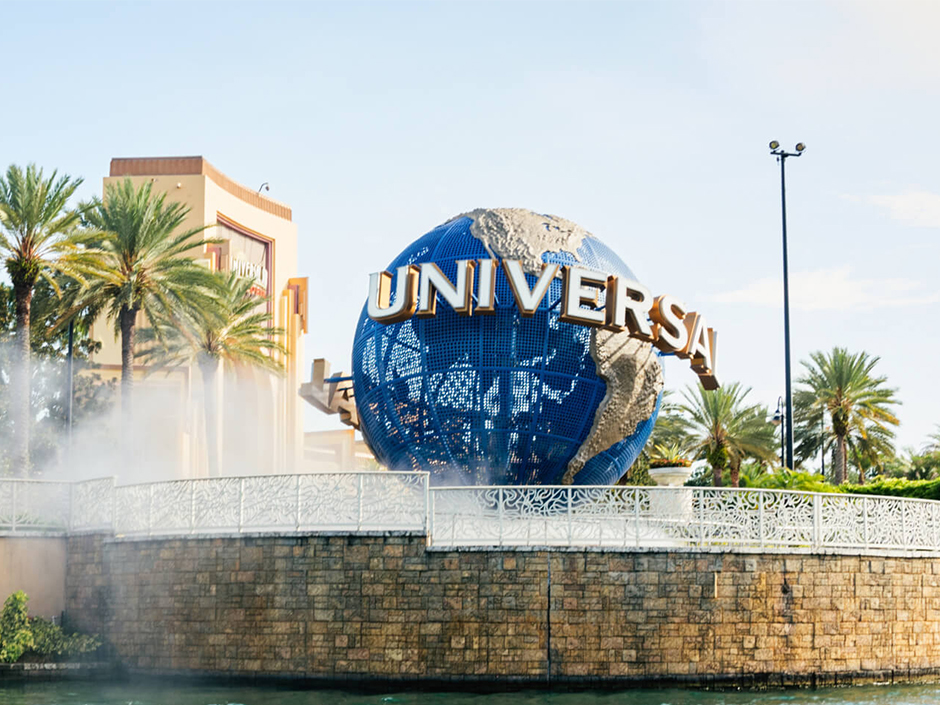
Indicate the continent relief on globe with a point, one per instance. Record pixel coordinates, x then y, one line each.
630 367
622 341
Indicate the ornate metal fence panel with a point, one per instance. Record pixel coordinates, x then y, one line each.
718 519
92 505
368 501
32 506
682 517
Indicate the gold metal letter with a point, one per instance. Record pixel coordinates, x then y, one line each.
628 306
406 295
434 282
667 314
486 287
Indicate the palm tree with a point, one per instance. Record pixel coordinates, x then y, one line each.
142 266
234 333
726 430
933 443
842 386
36 229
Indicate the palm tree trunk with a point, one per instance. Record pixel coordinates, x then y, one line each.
21 381
840 460
735 473
716 474
209 368
128 329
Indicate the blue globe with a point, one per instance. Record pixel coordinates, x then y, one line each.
496 399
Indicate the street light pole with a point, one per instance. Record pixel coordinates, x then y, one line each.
782 156
778 420
71 359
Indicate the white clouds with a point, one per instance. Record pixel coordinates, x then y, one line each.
832 290
917 208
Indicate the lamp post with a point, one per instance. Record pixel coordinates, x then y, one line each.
822 444
778 420
782 156
70 383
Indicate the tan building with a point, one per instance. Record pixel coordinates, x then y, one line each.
261 428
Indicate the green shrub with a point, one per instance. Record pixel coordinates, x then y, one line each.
51 640
21 635
788 480
16 638
898 487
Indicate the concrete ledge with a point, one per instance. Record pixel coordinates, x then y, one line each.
490 684
55 671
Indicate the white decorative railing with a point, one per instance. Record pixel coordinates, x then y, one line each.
366 501
34 506
727 519
680 517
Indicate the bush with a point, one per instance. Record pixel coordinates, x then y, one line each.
898 487
51 640
20 635
788 480
15 635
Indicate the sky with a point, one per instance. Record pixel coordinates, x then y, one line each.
645 122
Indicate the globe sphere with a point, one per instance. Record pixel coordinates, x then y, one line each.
500 398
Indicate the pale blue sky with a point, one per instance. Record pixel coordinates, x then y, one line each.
645 122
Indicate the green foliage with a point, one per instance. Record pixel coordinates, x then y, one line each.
784 479
51 640
726 430
664 456
840 387
810 482
925 466
48 378
16 638
638 475
20 635
142 261
235 331
898 487
36 226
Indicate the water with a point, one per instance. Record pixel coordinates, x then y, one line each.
150 693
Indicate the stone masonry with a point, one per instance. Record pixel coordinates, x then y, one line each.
387 607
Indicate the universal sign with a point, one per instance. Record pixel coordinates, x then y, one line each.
629 306
256 272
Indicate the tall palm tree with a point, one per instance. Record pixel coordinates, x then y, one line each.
843 386
142 266
36 228
726 430
235 333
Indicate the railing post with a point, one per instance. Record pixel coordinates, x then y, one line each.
636 515
297 505
760 516
904 539
71 502
150 511
865 537
241 503
817 521
430 510
13 525
499 495
570 517
933 520
359 503
701 515
192 507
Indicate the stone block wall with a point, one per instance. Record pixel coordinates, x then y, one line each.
387 607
